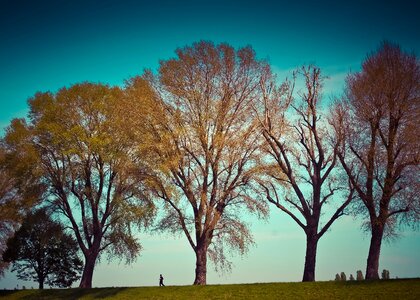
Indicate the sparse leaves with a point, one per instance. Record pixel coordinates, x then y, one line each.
300 174
376 123
204 144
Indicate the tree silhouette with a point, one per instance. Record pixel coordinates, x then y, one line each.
41 251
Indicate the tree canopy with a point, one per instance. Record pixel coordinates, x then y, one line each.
205 147
377 124
41 251
20 186
86 157
207 140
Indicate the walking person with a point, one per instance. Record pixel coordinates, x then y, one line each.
161 280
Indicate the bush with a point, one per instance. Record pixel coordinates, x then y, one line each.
385 274
351 277
337 277
359 275
343 276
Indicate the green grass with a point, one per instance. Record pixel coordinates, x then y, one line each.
390 289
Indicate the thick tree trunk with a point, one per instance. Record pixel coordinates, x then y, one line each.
41 284
86 281
201 265
310 258
40 277
372 267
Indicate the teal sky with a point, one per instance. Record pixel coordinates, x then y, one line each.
47 44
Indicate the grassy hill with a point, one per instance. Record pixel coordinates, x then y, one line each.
389 289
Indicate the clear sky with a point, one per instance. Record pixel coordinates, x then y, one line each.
45 45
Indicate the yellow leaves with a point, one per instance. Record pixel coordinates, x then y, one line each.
39 104
20 154
17 132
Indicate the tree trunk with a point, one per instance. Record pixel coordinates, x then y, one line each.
372 267
41 284
310 258
201 265
86 281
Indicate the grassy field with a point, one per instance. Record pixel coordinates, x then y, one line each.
391 289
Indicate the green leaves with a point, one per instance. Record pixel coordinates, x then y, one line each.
79 144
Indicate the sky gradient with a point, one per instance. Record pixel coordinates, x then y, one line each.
45 45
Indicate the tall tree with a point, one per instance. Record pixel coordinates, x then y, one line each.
86 155
377 124
206 147
20 187
301 176
41 251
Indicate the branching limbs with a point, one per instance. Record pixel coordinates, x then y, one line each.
208 145
302 152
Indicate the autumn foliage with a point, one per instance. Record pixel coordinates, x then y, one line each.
209 138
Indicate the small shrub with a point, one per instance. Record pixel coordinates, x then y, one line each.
343 276
385 274
337 277
351 277
359 275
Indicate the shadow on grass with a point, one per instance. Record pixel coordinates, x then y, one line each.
6 293
66 294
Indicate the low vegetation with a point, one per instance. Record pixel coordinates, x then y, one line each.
390 289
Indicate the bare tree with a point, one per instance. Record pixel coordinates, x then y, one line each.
377 124
206 147
87 163
301 176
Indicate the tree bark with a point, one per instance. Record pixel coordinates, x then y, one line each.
310 258
372 267
86 281
201 265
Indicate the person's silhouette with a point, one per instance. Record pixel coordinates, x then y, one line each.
161 280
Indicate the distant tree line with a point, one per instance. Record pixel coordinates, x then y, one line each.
210 136
359 276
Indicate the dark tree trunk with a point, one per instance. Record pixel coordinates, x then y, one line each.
372 267
86 281
310 258
40 276
201 265
41 284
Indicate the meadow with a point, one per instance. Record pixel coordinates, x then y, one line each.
382 289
